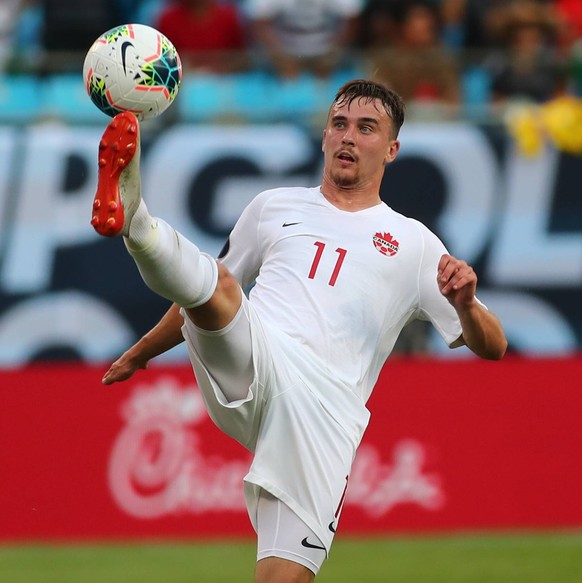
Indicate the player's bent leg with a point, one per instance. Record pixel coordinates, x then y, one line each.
226 353
235 393
173 267
288 551
170 265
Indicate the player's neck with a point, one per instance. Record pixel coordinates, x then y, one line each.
350 199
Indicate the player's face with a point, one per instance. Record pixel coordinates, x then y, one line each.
358 143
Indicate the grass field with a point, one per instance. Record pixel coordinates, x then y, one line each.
518 558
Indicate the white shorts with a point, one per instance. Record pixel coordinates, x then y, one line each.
303 449
281 534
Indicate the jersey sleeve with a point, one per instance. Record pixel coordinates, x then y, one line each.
433 306
242 254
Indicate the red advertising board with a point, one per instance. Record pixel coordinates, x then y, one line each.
451 445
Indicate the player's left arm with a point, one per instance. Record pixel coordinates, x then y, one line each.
482 330
166 334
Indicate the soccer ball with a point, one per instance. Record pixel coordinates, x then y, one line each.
134 68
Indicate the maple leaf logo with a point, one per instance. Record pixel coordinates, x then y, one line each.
386 244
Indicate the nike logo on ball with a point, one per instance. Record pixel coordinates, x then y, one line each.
290 224
307 544
124 48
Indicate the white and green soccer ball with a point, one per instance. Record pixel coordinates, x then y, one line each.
134 68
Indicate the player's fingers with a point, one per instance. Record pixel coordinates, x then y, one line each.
443 267
460 280
121 371
444 261
107 378
114 375
448 267
447 274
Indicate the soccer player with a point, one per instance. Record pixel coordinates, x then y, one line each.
287 372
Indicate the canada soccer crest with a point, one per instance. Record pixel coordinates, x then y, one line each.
386 244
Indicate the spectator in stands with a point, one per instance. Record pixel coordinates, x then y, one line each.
208 34
528 68
144 11
570 14
304 35
480 24
68 29
471 24
415 64
9 11
377 27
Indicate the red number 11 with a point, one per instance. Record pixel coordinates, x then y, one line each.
341 256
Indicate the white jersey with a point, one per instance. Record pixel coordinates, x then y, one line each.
333 289
342 283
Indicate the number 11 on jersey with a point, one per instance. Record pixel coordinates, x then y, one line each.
338 264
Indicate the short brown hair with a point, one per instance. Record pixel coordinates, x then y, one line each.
369 91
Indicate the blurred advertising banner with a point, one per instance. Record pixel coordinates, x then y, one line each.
66 293
452 445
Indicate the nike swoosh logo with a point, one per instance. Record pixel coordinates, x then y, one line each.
331 527
307 544
124 48
290 224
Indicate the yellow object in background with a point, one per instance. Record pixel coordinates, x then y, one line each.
524 125
562 120
558 121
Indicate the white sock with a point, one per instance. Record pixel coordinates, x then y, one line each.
142 229
169 264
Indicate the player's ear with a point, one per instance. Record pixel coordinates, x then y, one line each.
323 140
391 151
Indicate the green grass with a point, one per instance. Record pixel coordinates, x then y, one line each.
523 558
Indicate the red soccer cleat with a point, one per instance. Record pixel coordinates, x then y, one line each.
118 187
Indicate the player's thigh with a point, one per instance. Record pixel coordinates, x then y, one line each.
277 570
282 535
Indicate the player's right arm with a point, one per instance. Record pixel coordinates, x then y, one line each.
166 334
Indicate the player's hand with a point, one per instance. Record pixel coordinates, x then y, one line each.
457 281
122 369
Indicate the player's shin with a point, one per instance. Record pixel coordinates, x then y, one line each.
169 264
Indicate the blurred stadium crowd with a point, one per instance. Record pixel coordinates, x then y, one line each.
445 56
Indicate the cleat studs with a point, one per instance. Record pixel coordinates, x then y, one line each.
102 162
95 221
112 206
132 129
121 162
110 222
96 204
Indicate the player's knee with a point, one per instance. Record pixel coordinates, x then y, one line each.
221 308
227 285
